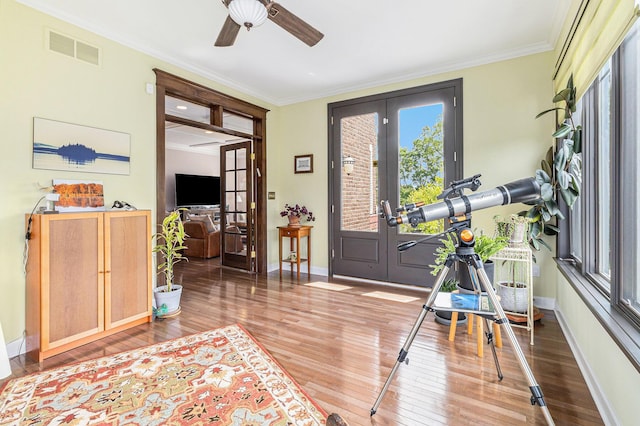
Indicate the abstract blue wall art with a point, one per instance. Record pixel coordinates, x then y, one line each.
71 147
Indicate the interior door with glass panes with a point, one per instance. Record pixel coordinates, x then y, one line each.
237 225
402 149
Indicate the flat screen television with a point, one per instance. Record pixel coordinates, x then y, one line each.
196 190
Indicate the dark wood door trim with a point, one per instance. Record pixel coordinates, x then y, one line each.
169 84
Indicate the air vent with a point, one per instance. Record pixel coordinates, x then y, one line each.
74 48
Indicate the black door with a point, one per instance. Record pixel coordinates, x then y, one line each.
402 147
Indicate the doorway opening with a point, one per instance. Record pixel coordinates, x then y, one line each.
229 120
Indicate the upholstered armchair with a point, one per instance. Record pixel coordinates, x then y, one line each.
203 240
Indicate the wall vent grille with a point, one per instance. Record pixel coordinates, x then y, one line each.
77 49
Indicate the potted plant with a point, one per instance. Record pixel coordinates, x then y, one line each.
296 213
513 292
515 227
485 247
169 243
560 172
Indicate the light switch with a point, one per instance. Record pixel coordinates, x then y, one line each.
271 196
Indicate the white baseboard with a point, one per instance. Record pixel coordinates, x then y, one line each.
16 347
303 269
547 303
599 397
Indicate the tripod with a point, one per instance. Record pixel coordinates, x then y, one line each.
465 254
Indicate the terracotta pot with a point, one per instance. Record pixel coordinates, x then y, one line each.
294 220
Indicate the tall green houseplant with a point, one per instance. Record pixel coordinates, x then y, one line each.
560 173
169 243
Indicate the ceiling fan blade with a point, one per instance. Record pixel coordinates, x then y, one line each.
228 33
293 24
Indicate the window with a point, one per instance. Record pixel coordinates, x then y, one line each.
602 235
629 292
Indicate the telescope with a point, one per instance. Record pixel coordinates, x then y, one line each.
458 207
457 204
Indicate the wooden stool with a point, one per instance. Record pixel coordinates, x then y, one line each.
480 329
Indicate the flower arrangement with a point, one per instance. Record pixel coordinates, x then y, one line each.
297 211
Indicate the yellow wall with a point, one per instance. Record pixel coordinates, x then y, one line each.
606 366
500 101
502 141
35 82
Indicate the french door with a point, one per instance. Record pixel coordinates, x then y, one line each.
237 207
402 147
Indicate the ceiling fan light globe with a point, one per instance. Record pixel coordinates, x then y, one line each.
248 13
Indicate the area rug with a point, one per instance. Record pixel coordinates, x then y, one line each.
219 377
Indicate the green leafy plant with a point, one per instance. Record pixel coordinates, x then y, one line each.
442 252
485 247
169 243
449 285
561 170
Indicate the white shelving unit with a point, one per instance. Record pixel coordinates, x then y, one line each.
515 264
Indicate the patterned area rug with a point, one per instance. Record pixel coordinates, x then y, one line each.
220 377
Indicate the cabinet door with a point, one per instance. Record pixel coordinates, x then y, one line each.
72 278
127 267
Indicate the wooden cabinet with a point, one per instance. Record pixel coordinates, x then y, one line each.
89 275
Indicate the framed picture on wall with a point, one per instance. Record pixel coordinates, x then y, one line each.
303 163
73 147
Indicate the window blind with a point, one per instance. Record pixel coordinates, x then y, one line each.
598 28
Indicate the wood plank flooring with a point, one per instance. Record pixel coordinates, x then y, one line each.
341 345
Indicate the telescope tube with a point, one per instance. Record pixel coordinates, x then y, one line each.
520 191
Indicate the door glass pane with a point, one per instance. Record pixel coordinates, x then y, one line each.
230 160
230 180
241 181
359 172
421 160
241 157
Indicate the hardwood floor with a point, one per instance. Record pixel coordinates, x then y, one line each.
340 346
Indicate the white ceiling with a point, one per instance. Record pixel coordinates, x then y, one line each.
367 42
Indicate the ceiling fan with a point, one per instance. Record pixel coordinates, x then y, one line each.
251 13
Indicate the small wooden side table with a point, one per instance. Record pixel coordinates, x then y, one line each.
295 233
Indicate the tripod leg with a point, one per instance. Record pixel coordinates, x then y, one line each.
536 393
414 331
492 345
